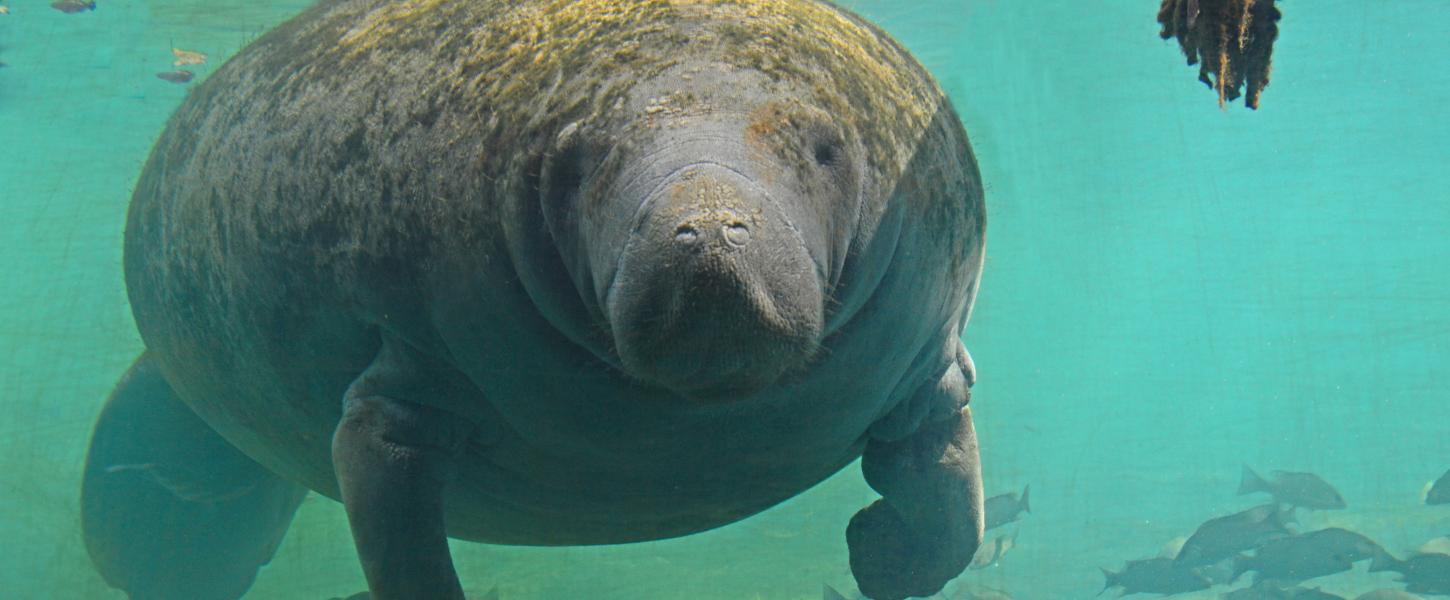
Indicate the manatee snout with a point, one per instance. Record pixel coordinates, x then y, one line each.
716 294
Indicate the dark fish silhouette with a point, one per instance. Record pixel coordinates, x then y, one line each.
1006 508
1439 491
71 7
177 76
1304 490
1307 555
1225 537
1425 573
1155 576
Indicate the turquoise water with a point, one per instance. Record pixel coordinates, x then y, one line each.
1171 291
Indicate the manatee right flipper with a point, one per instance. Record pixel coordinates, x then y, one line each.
169 509
394 451
928 524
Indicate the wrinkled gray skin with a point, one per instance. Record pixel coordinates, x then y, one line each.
636 328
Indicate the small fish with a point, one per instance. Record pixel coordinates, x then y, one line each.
993 550
1307 555
187 57
1304 490
1155 576
1225 537
1421 573
4 10
71 7
1439 492
177 76
1388 594
1006 508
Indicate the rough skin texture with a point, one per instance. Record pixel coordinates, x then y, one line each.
375 168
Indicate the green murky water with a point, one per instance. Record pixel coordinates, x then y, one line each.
1171 291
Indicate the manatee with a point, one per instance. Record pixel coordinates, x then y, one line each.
545 272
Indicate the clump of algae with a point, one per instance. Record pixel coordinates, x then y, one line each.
1230 40
541 63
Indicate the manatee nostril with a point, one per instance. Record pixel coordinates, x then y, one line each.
686 234
737 233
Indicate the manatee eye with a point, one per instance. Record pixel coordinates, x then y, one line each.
565 168
561 175
827 153
566 174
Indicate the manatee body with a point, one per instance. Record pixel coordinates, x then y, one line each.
559 272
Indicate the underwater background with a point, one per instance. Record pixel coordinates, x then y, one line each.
1172 291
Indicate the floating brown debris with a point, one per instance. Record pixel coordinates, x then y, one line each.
187 57
1229 39
71 7
177 76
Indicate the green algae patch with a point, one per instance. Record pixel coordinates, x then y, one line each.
524 67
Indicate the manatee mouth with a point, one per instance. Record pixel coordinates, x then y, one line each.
715 295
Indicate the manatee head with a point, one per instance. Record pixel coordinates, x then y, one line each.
706 221
712 189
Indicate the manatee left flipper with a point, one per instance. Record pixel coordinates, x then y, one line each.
168 508
928 523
